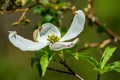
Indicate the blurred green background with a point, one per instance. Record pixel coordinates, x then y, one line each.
15 64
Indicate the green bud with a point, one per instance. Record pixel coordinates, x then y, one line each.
15 24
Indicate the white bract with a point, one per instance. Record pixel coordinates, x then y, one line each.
48 34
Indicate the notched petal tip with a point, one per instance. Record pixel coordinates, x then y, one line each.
79 11
25 44
76 40
14 32
73 43
76 27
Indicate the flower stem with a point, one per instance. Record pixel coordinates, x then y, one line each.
63 62
98 76
72 72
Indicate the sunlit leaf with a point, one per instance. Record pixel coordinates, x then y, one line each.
106 56
45 2
15 24
90 59
44 61
48 18
27 1
112 66
38 10
76 56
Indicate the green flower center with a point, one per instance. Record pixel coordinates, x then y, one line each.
53 38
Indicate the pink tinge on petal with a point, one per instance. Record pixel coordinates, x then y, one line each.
46 30
40 29
62 45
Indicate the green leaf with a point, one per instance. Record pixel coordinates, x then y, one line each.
76 56
45 2
106 56
48 18
38 10
112 66
39 53
90 59
28 1
15 24
44 61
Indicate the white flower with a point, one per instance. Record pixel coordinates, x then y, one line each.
48 34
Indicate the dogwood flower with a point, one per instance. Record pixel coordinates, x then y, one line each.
48 34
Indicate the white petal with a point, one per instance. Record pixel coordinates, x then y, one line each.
47 29
62 45
25 44
76 27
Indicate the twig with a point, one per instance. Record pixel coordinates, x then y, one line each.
20 9
92 18
98 76
63 62
33 5
97 44
53 69
72 72
23 14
